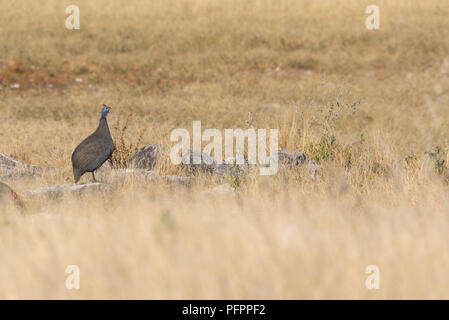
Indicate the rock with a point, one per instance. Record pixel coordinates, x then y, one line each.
12 168
236 166
207 163
8 198
11 162
290 160
8 173
315 170
60 189
223 189
147 157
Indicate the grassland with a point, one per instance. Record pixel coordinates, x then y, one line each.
382 198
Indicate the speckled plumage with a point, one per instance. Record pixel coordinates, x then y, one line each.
93 151
6 193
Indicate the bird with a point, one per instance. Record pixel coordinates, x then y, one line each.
8 198
7 195
93 151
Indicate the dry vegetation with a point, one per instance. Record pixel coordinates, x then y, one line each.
370 106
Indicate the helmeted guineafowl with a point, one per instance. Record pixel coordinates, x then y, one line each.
7 195
93 151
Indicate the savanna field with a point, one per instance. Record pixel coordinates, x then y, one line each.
370 107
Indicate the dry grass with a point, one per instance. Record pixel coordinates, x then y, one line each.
124 148
367 105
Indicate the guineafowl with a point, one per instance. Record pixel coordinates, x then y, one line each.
93 151
6 193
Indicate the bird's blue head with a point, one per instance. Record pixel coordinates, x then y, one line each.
105 111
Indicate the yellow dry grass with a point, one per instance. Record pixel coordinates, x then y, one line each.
381 200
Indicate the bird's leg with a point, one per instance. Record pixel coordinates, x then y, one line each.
93 177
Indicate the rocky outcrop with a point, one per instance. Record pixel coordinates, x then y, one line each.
147 157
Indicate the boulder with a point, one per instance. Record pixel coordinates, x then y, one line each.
147 157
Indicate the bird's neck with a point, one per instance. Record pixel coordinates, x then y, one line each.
103 125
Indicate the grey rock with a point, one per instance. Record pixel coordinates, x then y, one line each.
290 160
60 189
235 166
11 168
147 157
207 163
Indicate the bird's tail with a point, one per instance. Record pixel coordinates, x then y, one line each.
77 174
